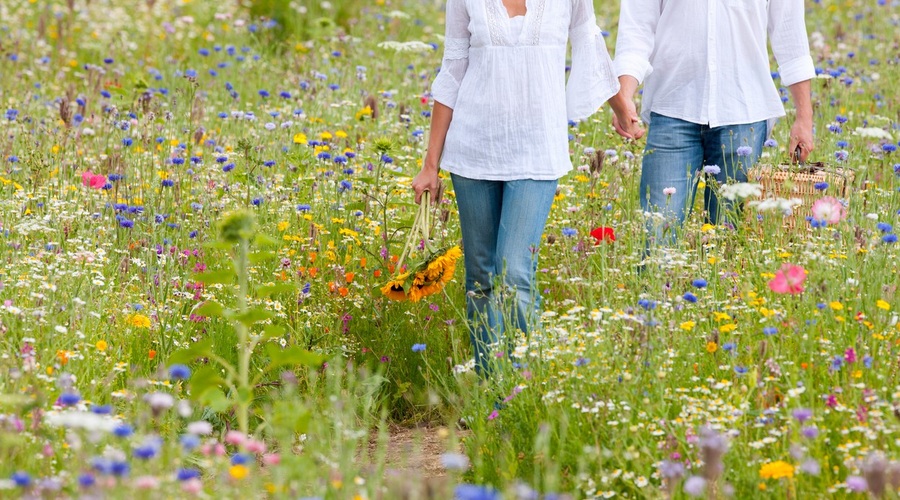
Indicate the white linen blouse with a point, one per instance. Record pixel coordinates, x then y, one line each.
510 98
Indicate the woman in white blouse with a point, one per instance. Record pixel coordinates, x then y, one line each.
500 127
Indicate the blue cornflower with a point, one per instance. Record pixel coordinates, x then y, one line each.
770 143
867 361
203 51
177 161
196 206
582 361
126 223
690 297
306 288
770 330
345 186
340 159
123 430
13 159
120 468
889 238
729 346
69 398
239 459
221 159
324 155
842 144
196 160
284 94
228 167
21 479
114 177
841 155
179 372
568 231
475 492
86 480
190 73
821 186
699 283
192 234
303 207
387 159
189 441
884 227
647 304
167 183
263 93
128 141
185 474
269 163
256 202
101 409
145 452
740 370
105 94
418 347
889 148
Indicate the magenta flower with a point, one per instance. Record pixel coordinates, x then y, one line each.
788 279
92 180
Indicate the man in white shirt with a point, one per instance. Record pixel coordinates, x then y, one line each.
709 96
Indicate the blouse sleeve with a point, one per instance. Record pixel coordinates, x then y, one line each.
592 80
445 87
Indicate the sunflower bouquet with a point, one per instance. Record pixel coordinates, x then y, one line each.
432 273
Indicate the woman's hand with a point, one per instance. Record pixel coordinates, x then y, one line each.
627 122
427 180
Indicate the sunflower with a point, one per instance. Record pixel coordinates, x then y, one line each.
395 289
433 273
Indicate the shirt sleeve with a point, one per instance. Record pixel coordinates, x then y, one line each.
636 38
790 44
445 87
591 80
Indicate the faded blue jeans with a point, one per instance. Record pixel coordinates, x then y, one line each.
676 150
502 223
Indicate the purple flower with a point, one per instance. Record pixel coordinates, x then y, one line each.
802 414
810 432
857 484
712 170
418 347
744 151
695 486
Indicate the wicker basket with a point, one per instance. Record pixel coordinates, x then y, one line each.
799 181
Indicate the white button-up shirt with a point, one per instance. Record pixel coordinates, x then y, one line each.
706 61
508 89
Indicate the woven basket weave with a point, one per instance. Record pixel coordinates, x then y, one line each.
793 181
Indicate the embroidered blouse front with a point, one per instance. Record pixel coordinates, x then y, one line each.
508 90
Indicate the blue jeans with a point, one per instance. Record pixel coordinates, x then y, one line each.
502 223
676 150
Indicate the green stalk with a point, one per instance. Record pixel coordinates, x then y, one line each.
243 384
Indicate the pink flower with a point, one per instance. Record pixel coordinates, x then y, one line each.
828 210
271 459
788 279
236 438
192 486
254 446
92 180
494 414
146 483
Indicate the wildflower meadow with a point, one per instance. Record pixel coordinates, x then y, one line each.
214 280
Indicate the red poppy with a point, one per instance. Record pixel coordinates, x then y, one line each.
603 233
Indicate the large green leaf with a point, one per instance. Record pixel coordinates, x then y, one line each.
205 379
267 290
216 400
292 356
261 256
253 316
196 350
224 276
210 308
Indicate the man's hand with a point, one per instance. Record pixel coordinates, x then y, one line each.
427 180
626 120
802 137
802 130
628 123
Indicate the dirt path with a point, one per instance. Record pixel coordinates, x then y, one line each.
418 451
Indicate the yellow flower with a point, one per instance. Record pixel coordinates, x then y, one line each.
730 327
300 138
363 113
326 135
882 304
707 227
712 347
101 345
283 225
688 325
776 470
139 321
238 471
837 306
395 288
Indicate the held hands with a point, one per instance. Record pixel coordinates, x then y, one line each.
802 137
427 180
627 122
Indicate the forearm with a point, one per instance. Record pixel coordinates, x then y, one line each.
801 96
441 115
